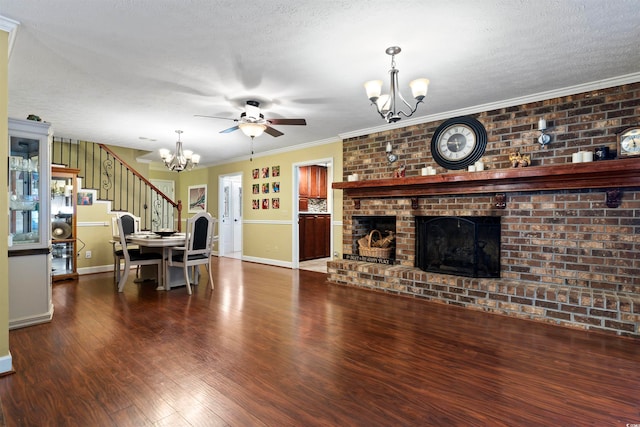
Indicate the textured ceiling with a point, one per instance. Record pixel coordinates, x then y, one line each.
129 73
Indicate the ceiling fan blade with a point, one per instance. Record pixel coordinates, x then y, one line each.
229 130
214 117
273 132
302 122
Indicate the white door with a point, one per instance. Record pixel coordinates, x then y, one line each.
236 210
161 210
230 216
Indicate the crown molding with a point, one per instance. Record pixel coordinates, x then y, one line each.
10 26
541 96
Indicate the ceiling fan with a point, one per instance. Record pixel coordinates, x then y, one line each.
252 122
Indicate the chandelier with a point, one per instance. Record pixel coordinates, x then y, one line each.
386 103
181 159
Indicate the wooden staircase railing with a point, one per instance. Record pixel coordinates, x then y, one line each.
115 180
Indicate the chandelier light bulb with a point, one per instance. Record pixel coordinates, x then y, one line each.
419 88
384 103
164 153
374 89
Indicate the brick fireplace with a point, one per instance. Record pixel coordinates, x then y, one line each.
570 233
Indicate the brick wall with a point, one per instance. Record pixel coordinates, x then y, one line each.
566 257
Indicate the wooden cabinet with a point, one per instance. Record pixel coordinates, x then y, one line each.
64 199
303 179
315 233
313 182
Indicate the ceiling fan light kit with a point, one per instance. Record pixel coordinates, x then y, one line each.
386 103
252 129
181 159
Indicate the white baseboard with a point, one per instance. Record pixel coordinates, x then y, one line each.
276 262
6 364
268 261
96 269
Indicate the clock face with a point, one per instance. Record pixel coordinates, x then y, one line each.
630 142
458 142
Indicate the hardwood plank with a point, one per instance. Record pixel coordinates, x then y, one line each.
271 346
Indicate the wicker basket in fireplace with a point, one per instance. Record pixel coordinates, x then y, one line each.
374 245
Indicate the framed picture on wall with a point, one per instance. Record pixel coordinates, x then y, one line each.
85 198
275 203
265 173
255 188
256 173
265 188
197 198
275 171
275 186
265 203
255 203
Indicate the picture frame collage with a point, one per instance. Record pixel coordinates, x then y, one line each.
263 190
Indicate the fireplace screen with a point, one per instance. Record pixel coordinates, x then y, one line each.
462 246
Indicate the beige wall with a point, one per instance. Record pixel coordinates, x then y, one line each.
94 233
267 234
4 225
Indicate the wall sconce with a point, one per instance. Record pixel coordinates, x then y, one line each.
544 138
390 156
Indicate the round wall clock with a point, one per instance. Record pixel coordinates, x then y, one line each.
629 142
458 142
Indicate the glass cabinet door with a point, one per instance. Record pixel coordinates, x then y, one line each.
63 222
26 191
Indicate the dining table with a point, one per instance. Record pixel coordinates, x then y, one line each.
171 277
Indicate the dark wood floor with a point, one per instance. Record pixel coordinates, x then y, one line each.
277 347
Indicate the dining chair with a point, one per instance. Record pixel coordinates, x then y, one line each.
134 257
118 255
197 248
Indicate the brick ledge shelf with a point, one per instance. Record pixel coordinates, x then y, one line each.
575 307
612 174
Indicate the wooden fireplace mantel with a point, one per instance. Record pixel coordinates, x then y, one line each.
610 174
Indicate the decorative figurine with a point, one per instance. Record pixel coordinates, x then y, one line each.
400 172
518 160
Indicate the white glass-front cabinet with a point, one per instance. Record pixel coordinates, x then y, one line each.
29 223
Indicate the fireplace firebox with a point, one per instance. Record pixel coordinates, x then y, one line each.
459 245
362 226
